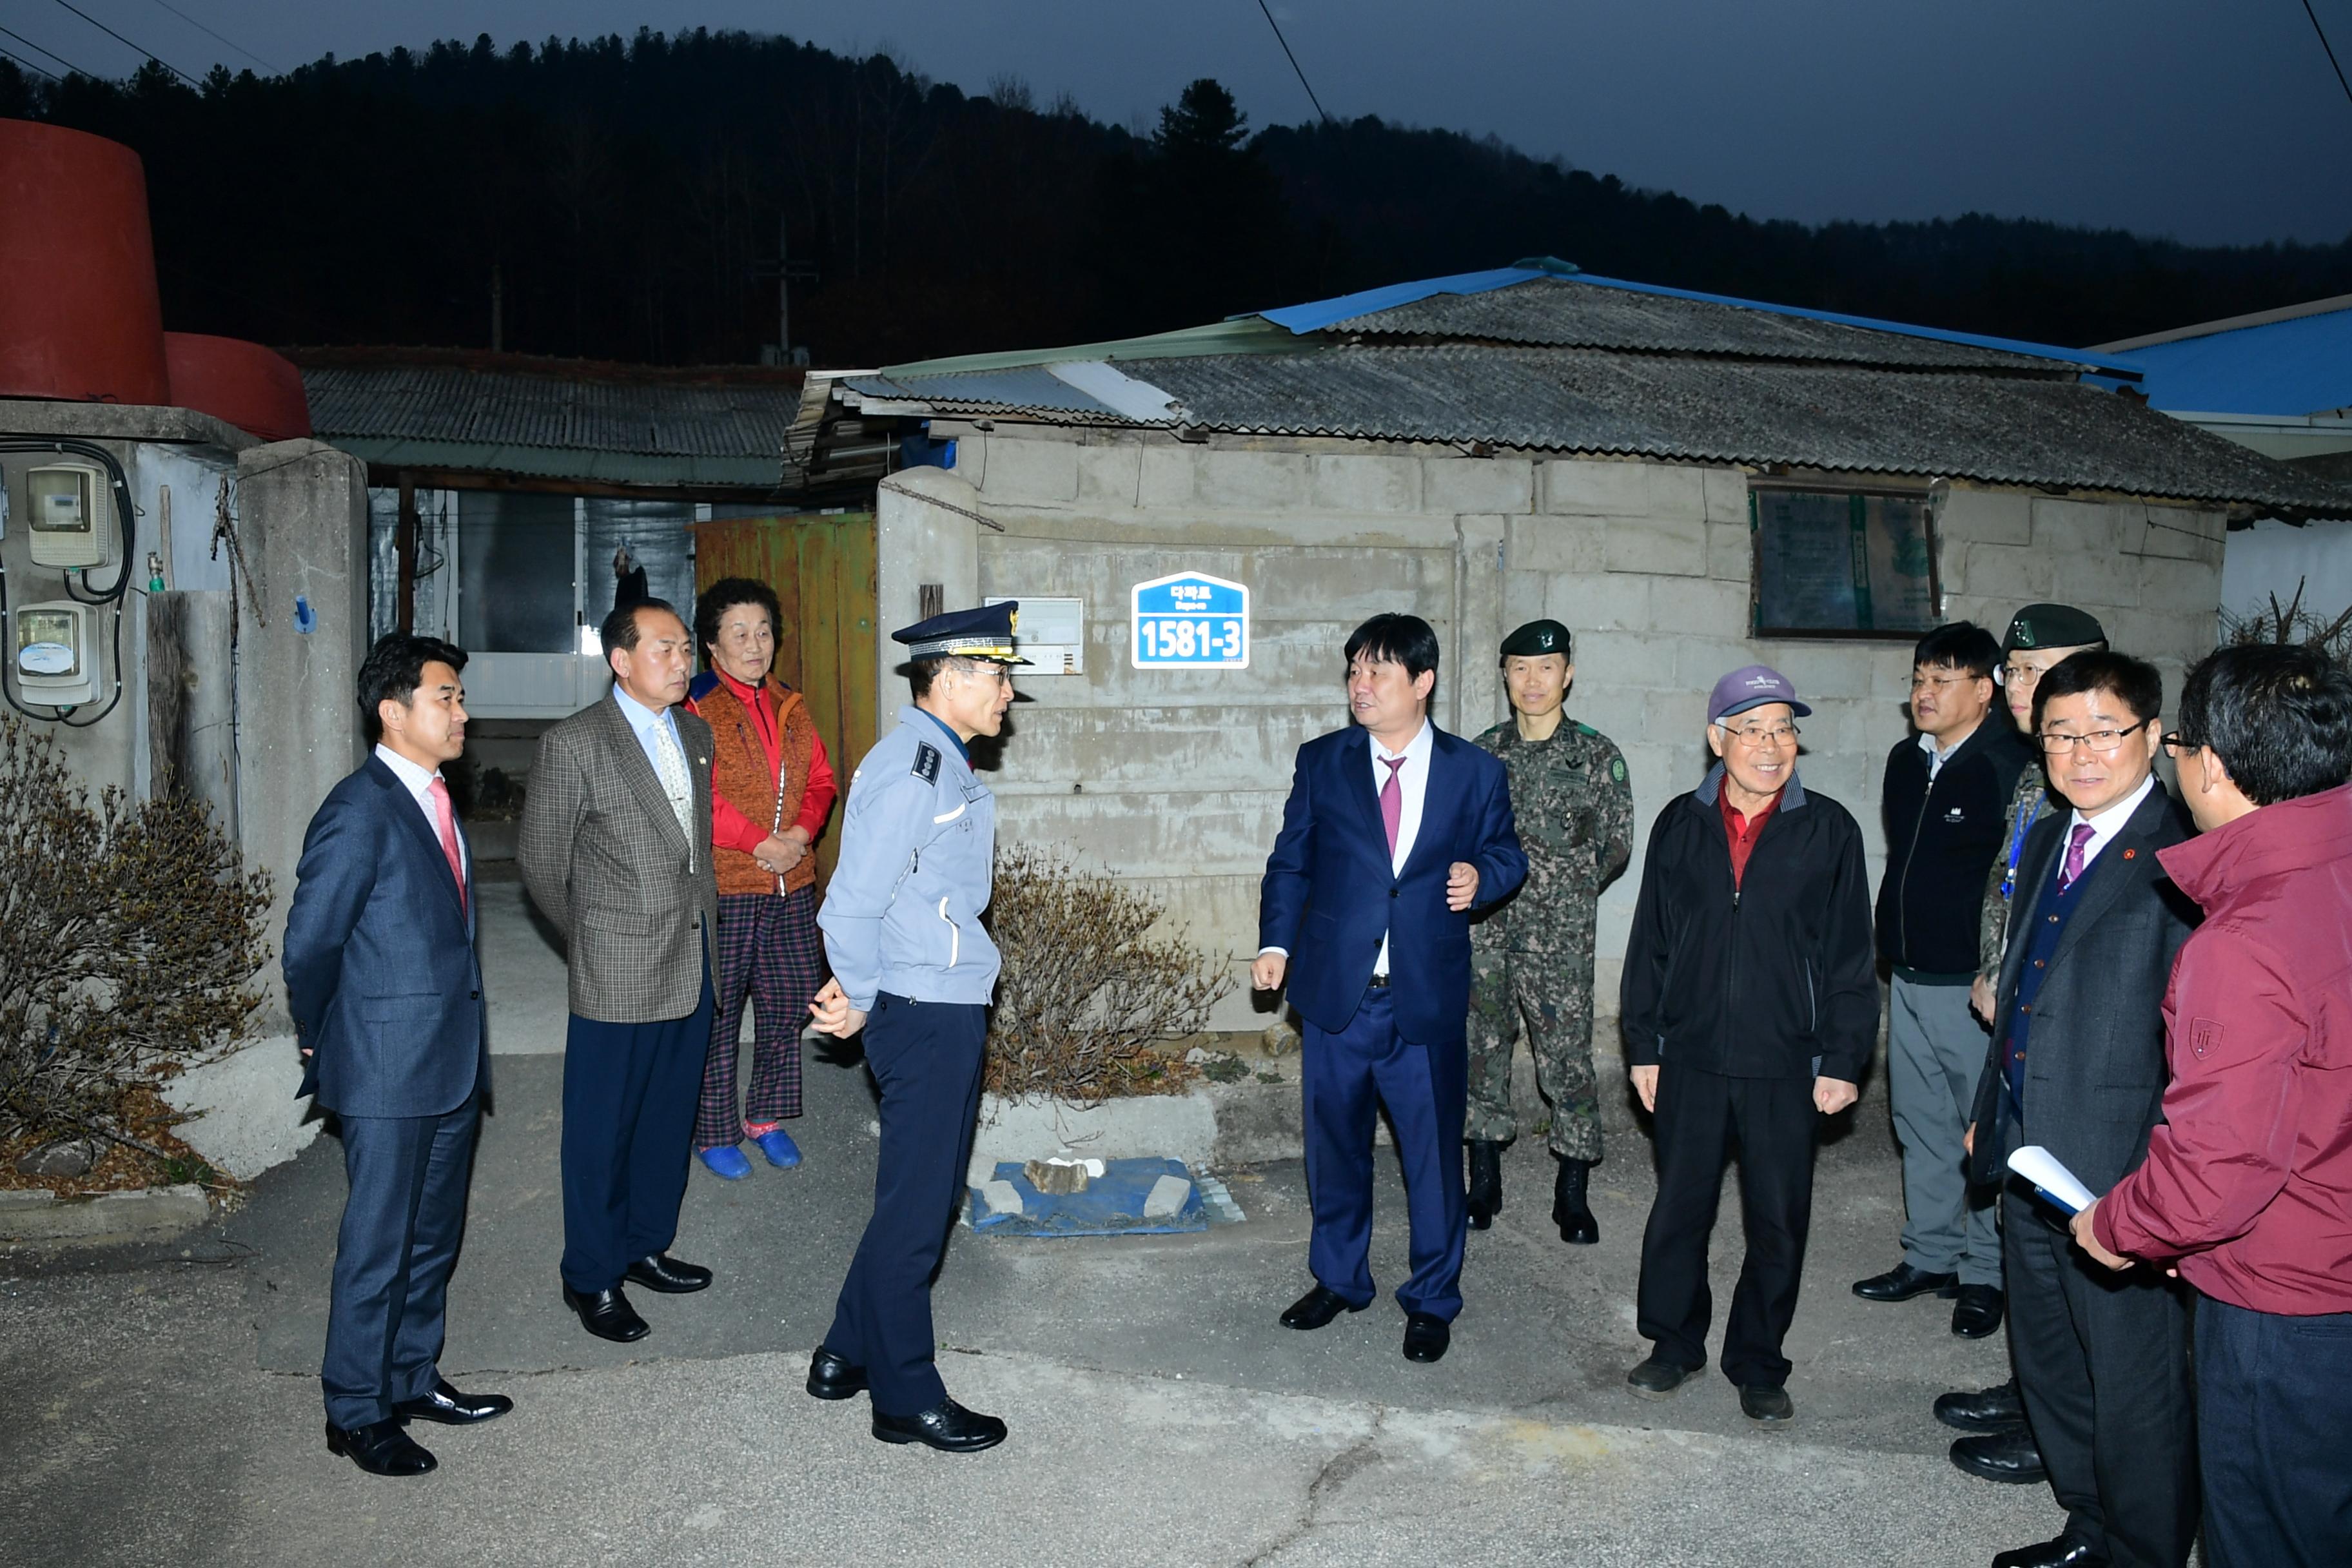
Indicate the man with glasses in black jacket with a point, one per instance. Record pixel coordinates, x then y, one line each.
1749 1005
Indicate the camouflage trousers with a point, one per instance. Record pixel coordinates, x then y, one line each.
1553 997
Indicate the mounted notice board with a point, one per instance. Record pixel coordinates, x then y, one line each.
1842 563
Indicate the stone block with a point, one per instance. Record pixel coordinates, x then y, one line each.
2186 586
40 1216
1822 670
1031 470
1111 476
1001 1197
1597 487
1242 480
1625 660
1166 476
1338 482
2097 579
1616 711
1599 601
1523 594
2179 533
1167 1196
1555 544
1701 661
1727 555
1726 496
1671 545
1672 718
1698 607
1505 485
2076 524
1986 517
2019 574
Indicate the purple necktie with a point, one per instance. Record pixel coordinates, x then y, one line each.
2078 841
1393 802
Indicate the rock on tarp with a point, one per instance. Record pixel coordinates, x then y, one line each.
1114 1203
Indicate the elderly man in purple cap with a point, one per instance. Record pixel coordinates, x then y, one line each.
1748 1010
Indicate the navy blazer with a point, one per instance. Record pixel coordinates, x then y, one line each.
382 976
1330 894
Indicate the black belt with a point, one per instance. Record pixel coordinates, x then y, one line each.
1380 982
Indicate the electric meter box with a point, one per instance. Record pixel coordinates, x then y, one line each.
52 653
69 515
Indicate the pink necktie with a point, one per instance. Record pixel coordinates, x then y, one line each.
1393 802
448 821
2078 841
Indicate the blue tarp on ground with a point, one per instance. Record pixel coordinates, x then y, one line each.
1112 1204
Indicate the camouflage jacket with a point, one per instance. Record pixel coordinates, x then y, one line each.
2028 805
1574 809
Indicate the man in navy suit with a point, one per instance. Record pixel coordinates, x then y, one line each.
1392 831
385 991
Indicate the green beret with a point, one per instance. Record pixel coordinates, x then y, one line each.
2051 626
1535 637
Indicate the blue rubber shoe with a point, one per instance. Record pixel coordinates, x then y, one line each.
778 1146
726 1162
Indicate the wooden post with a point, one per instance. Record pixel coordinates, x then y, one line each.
405 547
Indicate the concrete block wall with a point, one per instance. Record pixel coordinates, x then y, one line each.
1176 779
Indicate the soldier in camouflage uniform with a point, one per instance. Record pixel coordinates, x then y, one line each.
1531 958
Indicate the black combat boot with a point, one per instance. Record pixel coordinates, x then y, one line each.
1485 1200
1567 1206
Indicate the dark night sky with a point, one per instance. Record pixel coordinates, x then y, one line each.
2209 120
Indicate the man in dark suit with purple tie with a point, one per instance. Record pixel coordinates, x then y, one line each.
1393 830
385 990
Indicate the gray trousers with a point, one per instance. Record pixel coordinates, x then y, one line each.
1935 1054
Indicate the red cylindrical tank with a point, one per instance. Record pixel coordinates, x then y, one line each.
239 382
80 318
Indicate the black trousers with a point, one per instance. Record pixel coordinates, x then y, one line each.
926 1060
2102 1359
1699 1116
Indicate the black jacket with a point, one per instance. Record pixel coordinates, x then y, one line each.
1772 978
2095 1064
1941 837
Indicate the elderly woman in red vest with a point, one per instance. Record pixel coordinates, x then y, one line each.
771 788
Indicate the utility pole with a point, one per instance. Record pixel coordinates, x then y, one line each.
786 272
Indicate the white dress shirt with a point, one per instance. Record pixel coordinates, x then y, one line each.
2107 824
642 720
1413 790
419 784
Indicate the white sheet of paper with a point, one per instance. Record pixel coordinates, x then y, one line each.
2055 1182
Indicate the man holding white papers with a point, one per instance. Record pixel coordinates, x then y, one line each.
2248 1184
2076 1064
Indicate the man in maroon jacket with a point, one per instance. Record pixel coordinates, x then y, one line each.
2246 1192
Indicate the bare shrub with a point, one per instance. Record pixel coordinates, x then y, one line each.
132 932
1086 990
2291 623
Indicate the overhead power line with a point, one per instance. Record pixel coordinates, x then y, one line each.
2324 44
37 70
119 38
1286 51
232 43
51 53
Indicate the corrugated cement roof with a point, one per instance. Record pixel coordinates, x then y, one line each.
494 409
2000 428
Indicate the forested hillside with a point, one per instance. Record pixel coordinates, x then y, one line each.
620 199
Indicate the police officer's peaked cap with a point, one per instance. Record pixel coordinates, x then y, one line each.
1535 637
984 633
2051 626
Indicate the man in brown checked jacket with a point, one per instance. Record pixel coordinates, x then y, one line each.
616 849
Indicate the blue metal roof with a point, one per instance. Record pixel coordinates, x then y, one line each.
2289 368
1318 314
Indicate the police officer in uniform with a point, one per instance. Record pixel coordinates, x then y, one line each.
1531 958
914 968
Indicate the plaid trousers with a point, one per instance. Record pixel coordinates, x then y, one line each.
770 952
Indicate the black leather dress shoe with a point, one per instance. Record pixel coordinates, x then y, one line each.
666 1274
443 1404
1568 1209
2000 1409
606 1315
1901 1282
1485 1199
1655 1379
831 1377
1316 1308
2066 1551
381 1448
1978 1312
2011 1456
1426 1336
946 1426
1767 1406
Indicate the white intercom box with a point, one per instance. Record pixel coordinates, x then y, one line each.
54 653
69 515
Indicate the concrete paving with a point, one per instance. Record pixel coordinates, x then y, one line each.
162 1403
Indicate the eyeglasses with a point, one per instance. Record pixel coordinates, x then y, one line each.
2180 744
2100 741
1938 682
1755 735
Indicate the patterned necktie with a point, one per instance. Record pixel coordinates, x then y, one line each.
2076 842
673 784
447 820
1392 802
